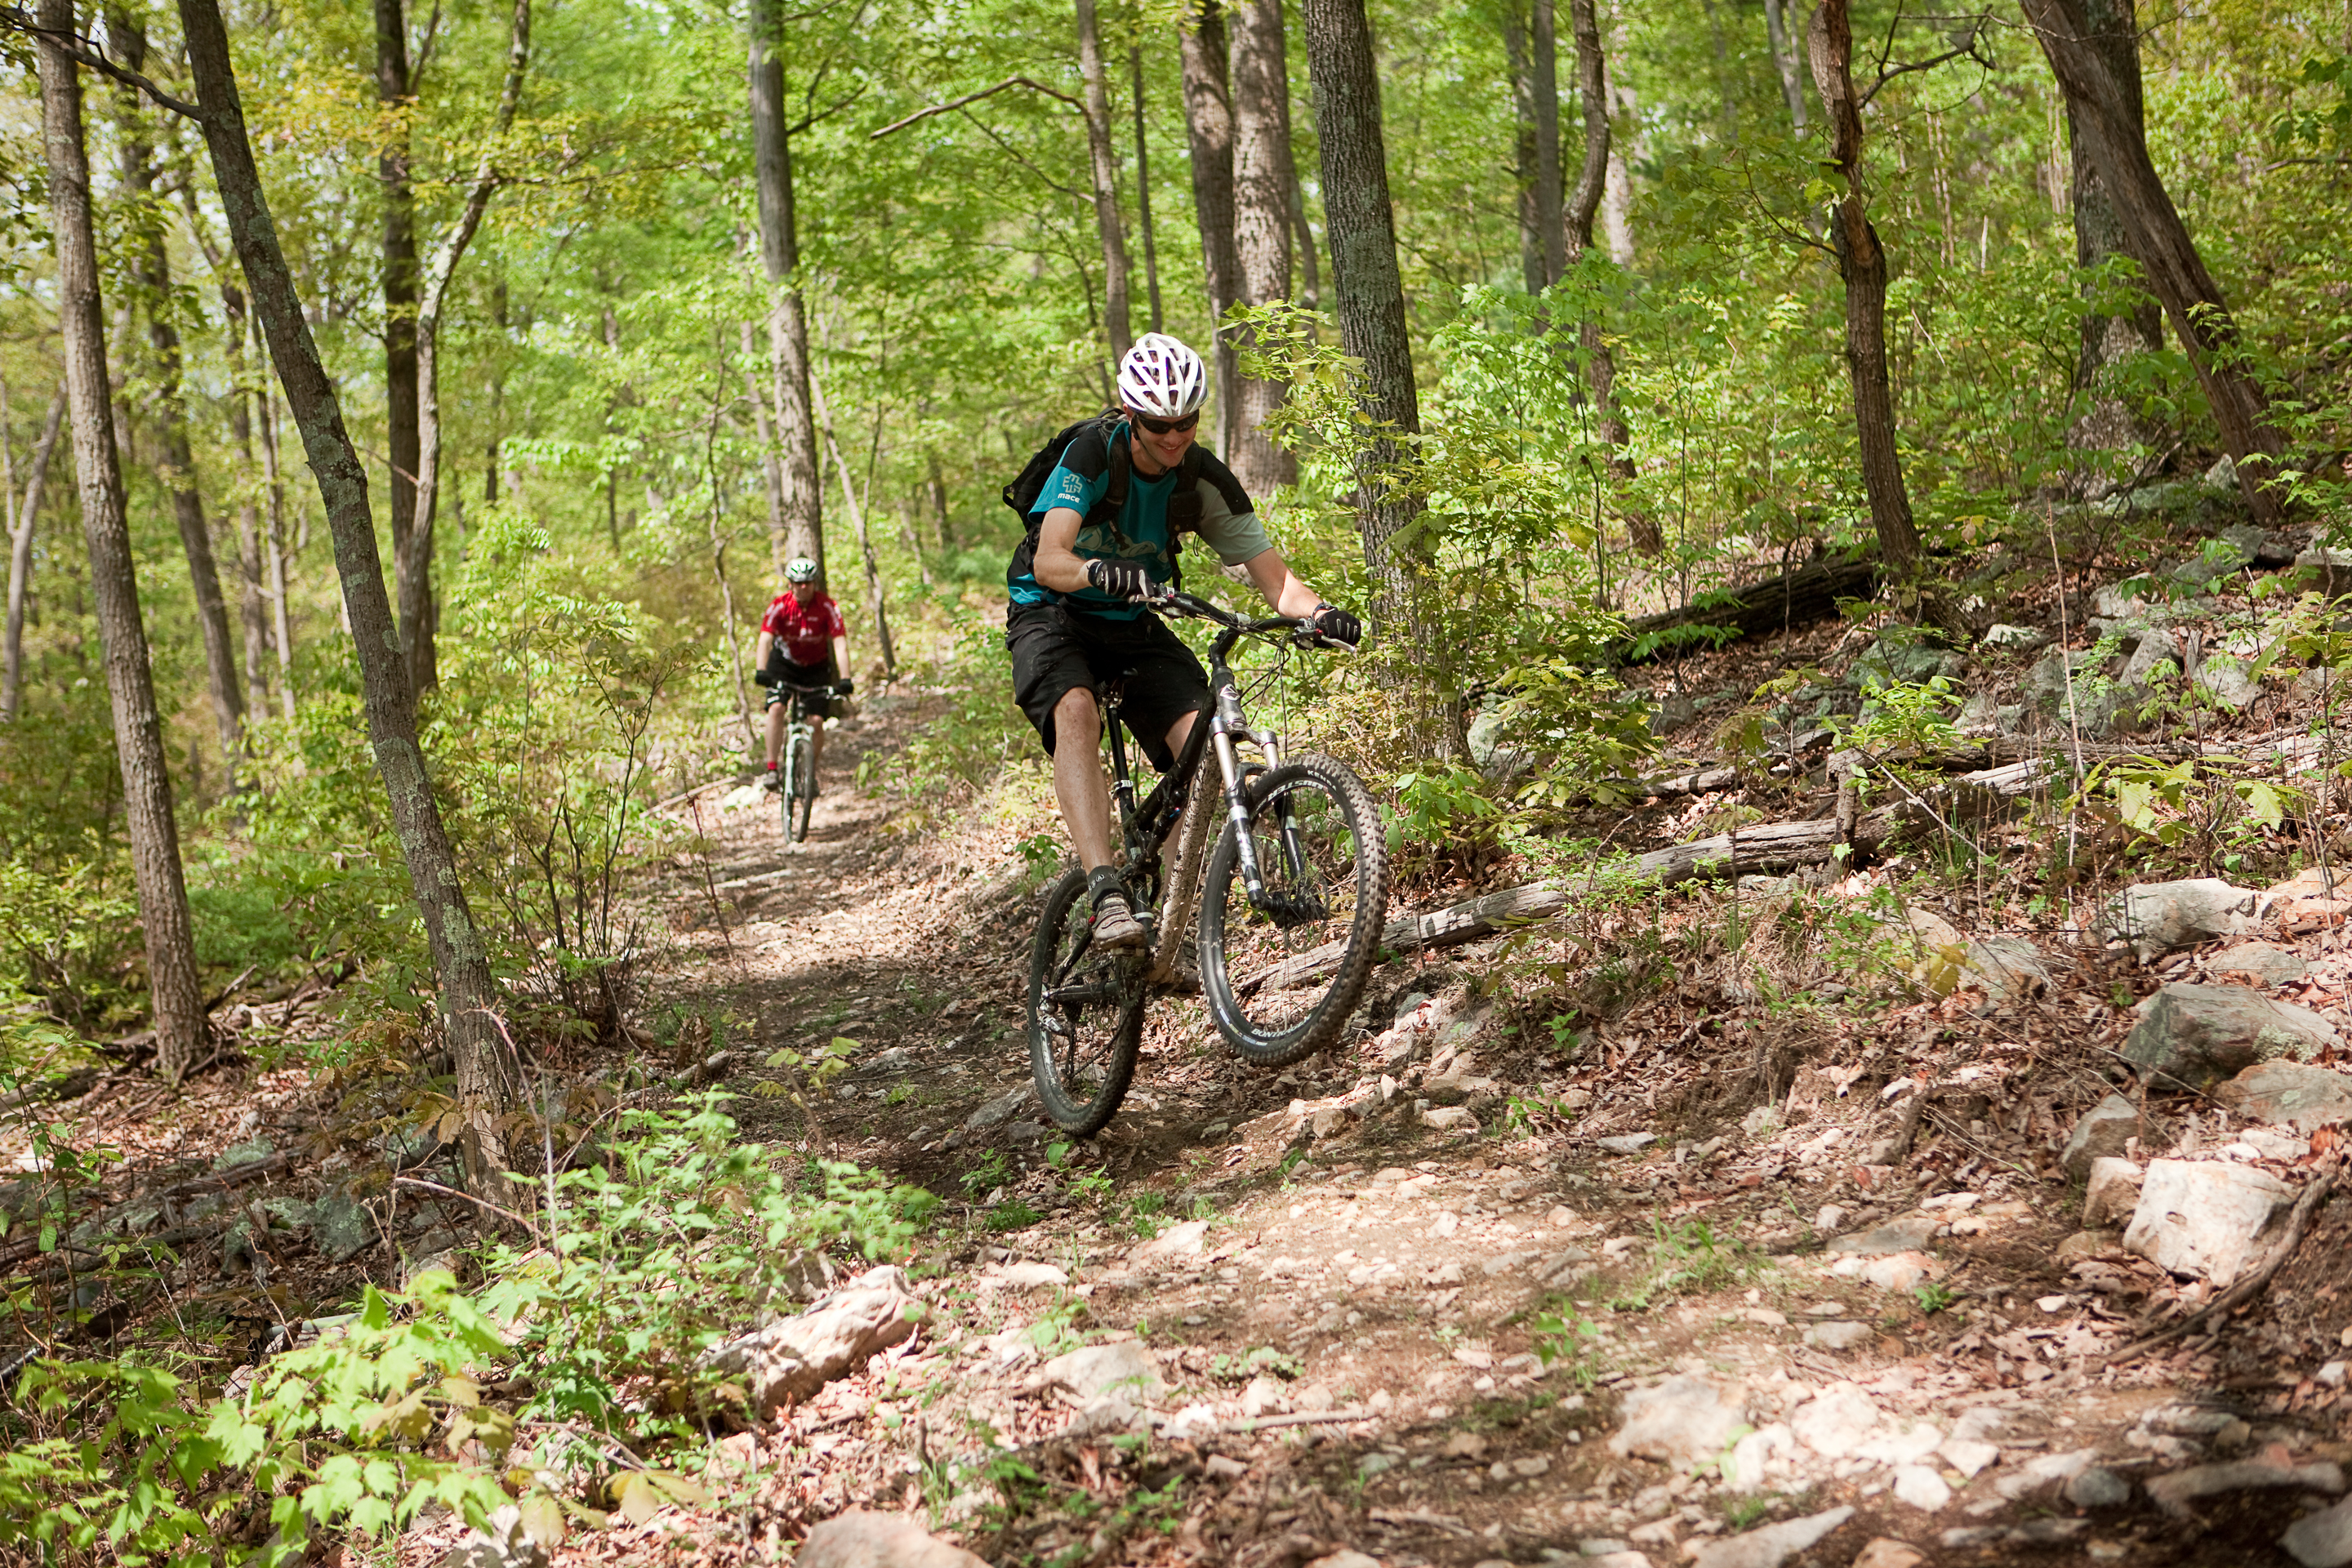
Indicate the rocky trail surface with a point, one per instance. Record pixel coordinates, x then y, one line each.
1681 1288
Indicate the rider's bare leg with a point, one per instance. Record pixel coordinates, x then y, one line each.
775 734
1078 785
816 743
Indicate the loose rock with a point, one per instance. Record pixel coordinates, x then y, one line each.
2105 1129
1771 1545
794 1358
2113 1193
2173 1493
2098 1487
863 1539
1888 1553
2155 918
2267 965
1124 1367
2289 1094
2194 1035
1922 1488
1905 1234
1681 1421
2322 1540
503 1543
2203 1217
1836 1423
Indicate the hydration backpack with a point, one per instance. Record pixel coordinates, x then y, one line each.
1183 501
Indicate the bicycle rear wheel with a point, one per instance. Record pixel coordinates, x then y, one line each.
1086 1013
1283 975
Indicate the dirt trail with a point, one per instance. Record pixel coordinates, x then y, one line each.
1547 1336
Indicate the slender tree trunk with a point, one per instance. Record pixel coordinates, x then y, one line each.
772 467
1862 264
1262 180
2105 119
1519 59
1730 105
1310 282
935 484
1209 127
873 600
252 596
1362 224
1576 230
152 268
1543 45
486 1074
1784 64
418 612
178 999
281 615
1624 148
393 88
2107 341
1143 190
1103 162
788 335
20 555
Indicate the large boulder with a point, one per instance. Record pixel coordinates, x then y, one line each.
2156 917
2195 1035
862 1539
2204 1217
793 1357
2288 1094
2112 1194
1123 1367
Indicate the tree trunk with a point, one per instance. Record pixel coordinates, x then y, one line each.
1361 226
1617 198
2106 119
392 95
787 336
151 268
936 485
1576 223
1310 282
2107 341
486 1074
772 467
1209 127
1784 63
252 596
1262 181
20 555
864 542
1862 264
418 612
1517 58
178 999
1143 191
1103 162
281 615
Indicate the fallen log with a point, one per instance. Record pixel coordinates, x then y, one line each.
1796 599
1767 847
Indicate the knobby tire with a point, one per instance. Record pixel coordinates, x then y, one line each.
1109 1031
1349 878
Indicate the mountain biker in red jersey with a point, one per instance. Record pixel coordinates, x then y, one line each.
801 643
1077 582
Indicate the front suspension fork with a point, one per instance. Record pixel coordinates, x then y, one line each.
1228 723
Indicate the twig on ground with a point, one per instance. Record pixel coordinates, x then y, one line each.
421 1185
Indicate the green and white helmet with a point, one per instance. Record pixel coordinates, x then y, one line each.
800 568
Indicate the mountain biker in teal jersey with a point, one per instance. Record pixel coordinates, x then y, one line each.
1077 582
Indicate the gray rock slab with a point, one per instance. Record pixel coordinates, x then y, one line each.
2158 917
1682 1421
2098 1487
1836 1422
2013 640
2006 966
794 1357
863 1539
998 1111
505 1544
1905 1234
1124 1369
1771 1545
2268 964
340 1227
2289 1094
2322 1540
1627 1142
244 1153
1841 1335
2105 1129
2174 1493
2195 1035
2203 1217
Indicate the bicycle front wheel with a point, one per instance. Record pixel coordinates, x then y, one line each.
790 787
1283 972
1086 1013
806 789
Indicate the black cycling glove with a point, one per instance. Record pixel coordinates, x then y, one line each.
762 678
1119 579
843 686
1339 625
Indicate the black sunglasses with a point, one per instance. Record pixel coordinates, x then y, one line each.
1165 426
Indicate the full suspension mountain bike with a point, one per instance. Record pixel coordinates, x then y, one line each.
1291 903
796 775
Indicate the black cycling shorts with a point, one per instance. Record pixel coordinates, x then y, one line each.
1057 650
821 673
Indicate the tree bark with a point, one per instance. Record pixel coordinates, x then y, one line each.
1617 199
788 334
1533 51
20 555
486 1073
178 1000
1209 128
2105 116
1784 64
1260 74
151 268
2107 341
418 612
1576 223
281 615
1143 191
393 88
1862 265
1362 224
1102 161
873 600
252 596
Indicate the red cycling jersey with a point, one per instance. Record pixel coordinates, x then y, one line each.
806 632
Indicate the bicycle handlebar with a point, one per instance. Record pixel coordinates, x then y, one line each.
1176 602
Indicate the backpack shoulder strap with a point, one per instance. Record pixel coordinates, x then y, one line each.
1114 502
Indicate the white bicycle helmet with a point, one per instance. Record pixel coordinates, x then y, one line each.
800 568
1161 377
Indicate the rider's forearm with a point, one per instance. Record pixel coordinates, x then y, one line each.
760 659
1057 565
1281 586
841 655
